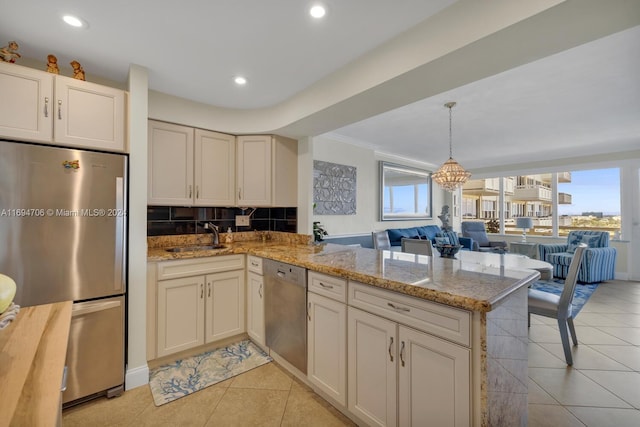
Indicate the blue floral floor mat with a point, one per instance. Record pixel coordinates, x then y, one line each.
580 297
186 376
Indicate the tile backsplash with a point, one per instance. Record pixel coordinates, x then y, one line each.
170 220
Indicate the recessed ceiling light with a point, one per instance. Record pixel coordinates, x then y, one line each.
240 81
74 21
317 11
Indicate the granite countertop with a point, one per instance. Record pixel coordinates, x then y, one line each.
462 283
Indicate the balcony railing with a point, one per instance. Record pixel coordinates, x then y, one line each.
532 192
564 198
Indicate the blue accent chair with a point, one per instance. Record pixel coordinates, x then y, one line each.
476 230
599 261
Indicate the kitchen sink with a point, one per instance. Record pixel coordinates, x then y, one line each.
195 248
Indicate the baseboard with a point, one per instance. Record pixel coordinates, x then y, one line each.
621 276
136 377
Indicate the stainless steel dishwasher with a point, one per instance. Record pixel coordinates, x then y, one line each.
285 288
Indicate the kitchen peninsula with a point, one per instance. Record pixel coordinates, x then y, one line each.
477 313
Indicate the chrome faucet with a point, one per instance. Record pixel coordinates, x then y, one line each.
215 230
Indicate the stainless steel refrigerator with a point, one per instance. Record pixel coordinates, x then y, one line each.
63 237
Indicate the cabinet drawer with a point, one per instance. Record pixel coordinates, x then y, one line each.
329 286
199 266
436 319
254 264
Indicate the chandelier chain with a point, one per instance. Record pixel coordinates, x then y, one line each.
450 133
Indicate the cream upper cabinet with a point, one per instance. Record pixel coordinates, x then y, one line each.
254 170
89 115
189 167
26 109
41 107
214 169
170 164
267 171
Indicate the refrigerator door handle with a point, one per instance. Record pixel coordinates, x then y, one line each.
80 309
120 216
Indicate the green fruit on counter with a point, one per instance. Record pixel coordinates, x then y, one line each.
7 292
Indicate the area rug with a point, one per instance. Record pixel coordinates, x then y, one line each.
580 297
183 377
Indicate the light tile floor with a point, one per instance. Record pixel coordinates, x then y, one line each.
601 389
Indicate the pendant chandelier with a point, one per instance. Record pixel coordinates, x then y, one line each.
451 175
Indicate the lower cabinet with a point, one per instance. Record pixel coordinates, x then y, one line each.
180 314
327 342
255 308
401 376
199 309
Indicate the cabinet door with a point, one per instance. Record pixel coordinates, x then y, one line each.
180 314
284 173
89 115
170 165
372 354
254 170
225 305
327 346
433 381
215 169
255 308
26 109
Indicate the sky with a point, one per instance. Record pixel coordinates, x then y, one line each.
592 191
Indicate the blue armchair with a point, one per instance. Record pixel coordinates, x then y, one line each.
599 261
476 230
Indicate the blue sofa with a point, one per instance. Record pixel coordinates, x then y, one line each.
599 258
424 232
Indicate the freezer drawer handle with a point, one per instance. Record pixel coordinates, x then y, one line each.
82 309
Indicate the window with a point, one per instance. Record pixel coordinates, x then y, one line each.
586 199
589 199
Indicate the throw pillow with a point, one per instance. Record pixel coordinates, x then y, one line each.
451 235
573 242
590 241
441 240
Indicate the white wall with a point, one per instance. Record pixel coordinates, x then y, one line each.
367 214
137 370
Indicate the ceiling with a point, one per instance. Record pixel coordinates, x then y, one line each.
581 97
